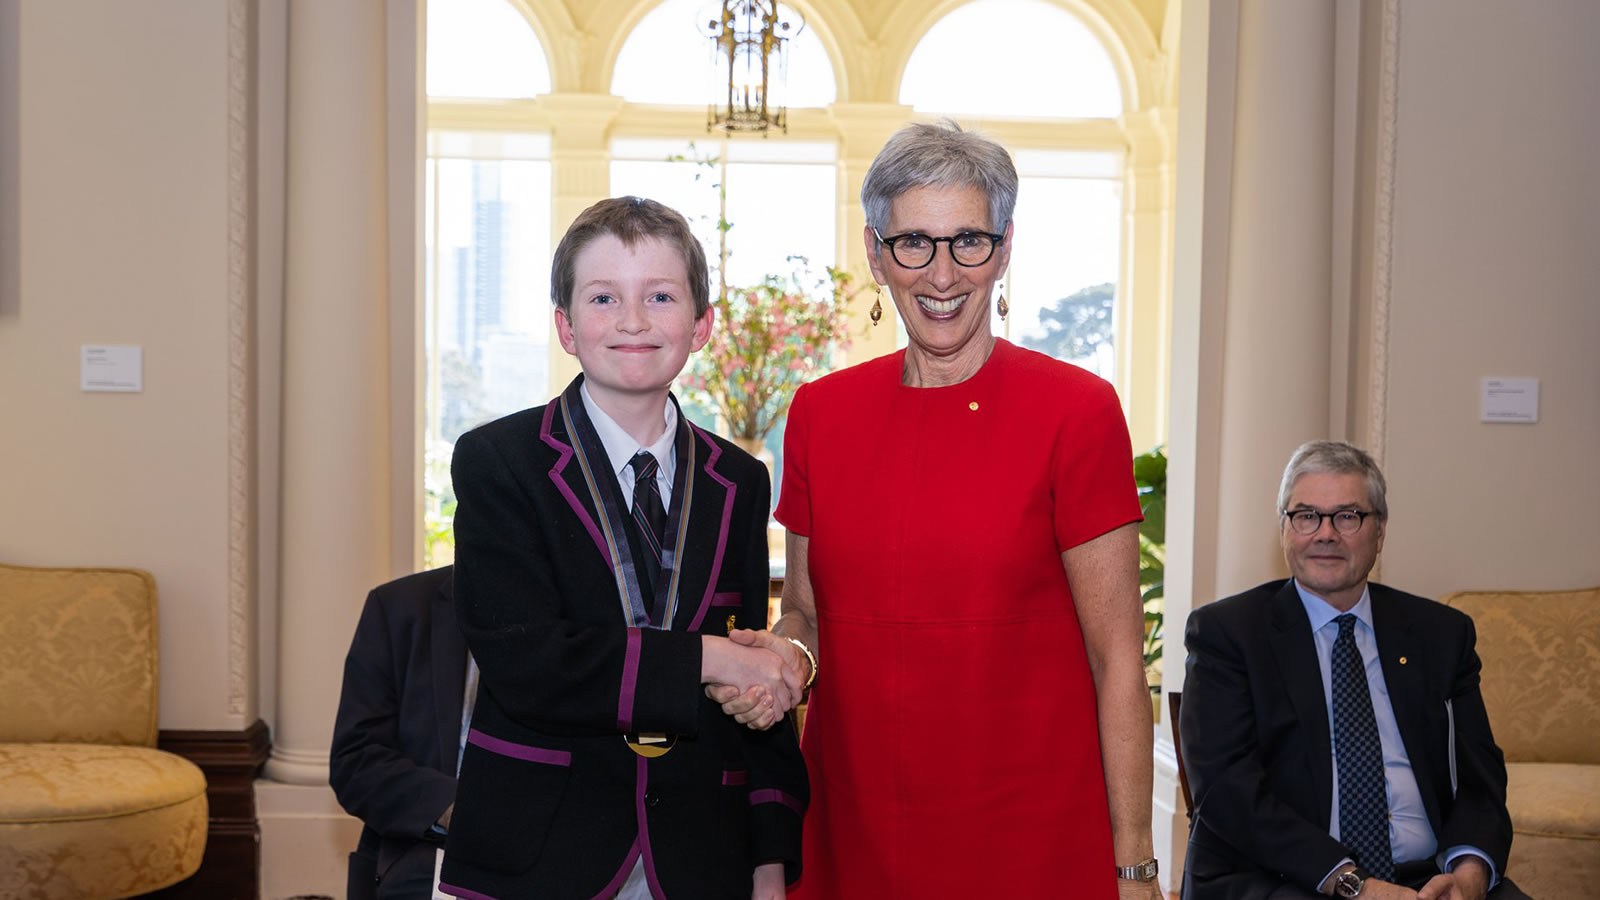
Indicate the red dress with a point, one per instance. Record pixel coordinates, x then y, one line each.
951 738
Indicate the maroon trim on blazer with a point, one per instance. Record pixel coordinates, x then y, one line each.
630 680
615 884
519 751
727 598
773 795
644 828
722 534
465 893
735 777
565 450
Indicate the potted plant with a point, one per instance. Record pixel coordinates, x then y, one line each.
1150 475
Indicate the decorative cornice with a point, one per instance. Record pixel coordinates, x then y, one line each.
1383 229
239 384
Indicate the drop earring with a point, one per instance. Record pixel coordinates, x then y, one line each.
1003 307
876 312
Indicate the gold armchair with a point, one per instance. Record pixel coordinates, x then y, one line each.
89 808
1541 685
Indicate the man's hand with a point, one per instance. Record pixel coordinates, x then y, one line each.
1468 881
1373 889
768 882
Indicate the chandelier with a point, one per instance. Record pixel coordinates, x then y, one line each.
749 51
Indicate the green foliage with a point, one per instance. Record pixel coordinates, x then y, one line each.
1150 475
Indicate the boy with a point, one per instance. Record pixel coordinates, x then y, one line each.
604 548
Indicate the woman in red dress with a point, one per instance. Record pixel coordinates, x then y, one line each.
963 564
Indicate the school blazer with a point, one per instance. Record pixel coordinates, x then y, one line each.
551 802
1258 753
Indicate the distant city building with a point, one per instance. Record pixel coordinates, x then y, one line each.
515 372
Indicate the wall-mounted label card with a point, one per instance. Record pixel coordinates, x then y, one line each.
112 368
1510 400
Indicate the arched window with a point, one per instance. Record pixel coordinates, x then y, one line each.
486 244
483 48
1016 58
654 67
1035 62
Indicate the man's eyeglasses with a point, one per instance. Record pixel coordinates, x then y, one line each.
914 250
1309 521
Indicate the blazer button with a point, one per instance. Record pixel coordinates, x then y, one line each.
652 799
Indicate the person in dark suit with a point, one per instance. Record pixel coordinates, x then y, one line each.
605 550
397 735
1333 731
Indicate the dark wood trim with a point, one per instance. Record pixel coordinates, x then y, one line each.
231 867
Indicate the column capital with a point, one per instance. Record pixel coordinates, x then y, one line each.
1151 133
578 119
863 127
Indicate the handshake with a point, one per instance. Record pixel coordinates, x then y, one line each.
755 675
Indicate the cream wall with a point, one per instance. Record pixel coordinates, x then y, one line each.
1496 272
123 222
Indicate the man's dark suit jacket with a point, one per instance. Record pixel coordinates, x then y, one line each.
398 730
1257 749
552 802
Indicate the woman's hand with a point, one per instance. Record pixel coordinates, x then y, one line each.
1137 890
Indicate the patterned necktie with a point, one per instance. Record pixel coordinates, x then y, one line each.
1363 796
649 514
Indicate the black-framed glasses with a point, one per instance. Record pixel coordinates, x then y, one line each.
914 250
1309 521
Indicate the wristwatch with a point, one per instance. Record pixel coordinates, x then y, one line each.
1141 871
1349 883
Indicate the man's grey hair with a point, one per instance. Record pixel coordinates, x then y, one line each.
939 154
1335 458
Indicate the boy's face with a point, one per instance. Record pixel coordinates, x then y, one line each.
632 324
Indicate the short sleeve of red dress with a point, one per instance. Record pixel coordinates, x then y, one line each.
794 496
1092 467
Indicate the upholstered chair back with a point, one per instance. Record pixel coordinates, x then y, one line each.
1541 671
77 656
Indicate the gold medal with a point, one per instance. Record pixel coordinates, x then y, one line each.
650 744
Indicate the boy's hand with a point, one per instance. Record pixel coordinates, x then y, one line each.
769 882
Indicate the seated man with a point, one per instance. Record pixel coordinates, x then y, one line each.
397 737
1332 729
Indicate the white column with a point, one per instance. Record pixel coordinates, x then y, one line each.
1251 308
580 172
336 497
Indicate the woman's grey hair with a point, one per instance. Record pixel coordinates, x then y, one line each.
1335 458
939 154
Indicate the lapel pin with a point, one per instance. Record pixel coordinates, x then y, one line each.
1402 660
973 406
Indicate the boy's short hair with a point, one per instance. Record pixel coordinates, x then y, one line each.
630 219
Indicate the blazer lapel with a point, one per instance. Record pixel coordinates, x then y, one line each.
707 523
566 475
1302 677
1397 640
449 671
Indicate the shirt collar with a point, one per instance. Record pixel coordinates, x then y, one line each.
1321 612
621 447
